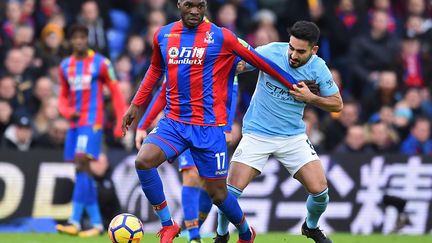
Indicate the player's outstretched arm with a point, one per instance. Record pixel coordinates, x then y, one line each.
254 58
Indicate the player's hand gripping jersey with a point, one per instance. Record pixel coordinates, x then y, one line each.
203 57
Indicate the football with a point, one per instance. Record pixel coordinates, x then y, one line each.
125 228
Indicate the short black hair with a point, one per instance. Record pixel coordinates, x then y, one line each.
78 28
306 30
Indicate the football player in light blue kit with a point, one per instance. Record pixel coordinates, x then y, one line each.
273 125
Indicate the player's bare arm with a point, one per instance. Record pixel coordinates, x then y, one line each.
129 117
331 103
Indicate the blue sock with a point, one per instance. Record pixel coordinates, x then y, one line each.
233 212
78 198
223 222
92 204
205 205
316 205
190 197
152 187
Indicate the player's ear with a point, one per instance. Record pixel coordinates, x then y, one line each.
315 50
178 3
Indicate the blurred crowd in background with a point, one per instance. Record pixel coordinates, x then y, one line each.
379 52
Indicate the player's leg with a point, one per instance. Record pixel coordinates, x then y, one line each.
297 154
88 148
210 155
190 194
247 163
161 144
78 194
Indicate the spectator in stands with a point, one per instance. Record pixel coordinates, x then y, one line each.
51 47
7 89
382 138
15 66
19 135
384 95
5 116
336 129
123 68
371 53
227 17
23 35
90 17
403 115
419 141
43 89
13 18
355 141
46 10
413 63
157 18
143 8
45 115
55 136
343 23
393 23
136 49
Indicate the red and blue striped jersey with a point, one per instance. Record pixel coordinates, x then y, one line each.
199 71
81 90
159 101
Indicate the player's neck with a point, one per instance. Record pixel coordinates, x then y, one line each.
191 27
80 55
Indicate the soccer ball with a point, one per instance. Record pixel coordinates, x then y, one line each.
125 228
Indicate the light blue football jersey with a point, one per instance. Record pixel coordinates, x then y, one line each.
273 111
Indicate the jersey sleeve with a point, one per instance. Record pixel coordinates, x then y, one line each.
119 103
233 107
155 107
65 109
153 74
325 81
256 59
260 50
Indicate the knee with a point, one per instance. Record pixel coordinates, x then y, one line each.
82 163
143 163
191 178
318 187
218 196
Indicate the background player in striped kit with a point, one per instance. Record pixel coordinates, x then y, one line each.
196 202
273 125
197 59
82 77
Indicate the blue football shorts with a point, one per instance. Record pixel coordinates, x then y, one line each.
85 140
206 143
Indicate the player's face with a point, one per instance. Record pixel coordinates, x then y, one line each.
79 41
299 52
192 11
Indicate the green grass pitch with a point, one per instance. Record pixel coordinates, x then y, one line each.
264 238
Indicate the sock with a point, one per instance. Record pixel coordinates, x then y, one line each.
205 205
92 204
233 212
78 199
190 197
316 205
223 222
152 187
